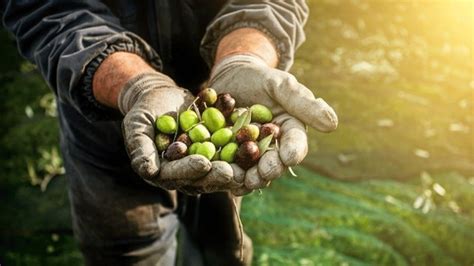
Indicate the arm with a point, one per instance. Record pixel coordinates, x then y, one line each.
118 68
257 43
281 22
112 75
247 40
68 41
97 67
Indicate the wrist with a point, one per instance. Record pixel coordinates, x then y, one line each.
236 59
139 85
249 42
113 73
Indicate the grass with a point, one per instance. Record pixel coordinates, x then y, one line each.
359 221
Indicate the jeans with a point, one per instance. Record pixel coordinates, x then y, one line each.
118 219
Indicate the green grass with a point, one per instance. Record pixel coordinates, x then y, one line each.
358 221
421 81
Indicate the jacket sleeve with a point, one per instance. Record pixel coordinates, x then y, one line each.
282 21
67 40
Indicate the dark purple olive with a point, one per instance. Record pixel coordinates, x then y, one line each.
176 150
184 138
247 133
225 103
247 155
268 129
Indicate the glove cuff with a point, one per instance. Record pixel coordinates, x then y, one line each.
239 59
139 85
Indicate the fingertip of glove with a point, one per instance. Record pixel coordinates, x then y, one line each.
293 146
327 118
270 166
241 191
199 163
223 170
291 158
253 179
145 168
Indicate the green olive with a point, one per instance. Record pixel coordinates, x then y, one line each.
208 95
166 124
199 133
206 149
217 156
221 137
192 149
228 152
261 113
162 141
236 113
213 119
188 119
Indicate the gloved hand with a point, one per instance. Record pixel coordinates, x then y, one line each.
250 80
142 100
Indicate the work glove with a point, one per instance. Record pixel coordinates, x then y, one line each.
250 81
142 100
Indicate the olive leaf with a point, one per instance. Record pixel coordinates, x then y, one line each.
243 120
264 143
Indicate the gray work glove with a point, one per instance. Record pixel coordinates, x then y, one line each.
250 80
142 100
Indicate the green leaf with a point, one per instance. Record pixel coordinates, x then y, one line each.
243 120
264 143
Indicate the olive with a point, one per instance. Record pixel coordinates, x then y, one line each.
213 119
247 155
236 113
268 129
188 119
247 133
261 113
184 138
228 152
208 96
258 125
217 156
176 150
192 149
199 133
225 103
166 124
221 137
206 149
162 141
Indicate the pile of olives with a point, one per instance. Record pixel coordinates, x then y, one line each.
215 129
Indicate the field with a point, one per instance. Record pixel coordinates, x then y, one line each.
394 185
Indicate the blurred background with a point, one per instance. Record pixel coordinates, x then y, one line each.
394 185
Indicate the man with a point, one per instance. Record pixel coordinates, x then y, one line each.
117 65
